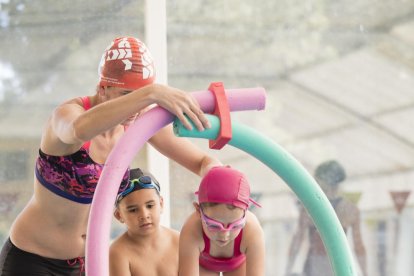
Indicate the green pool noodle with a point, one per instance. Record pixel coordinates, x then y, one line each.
296 177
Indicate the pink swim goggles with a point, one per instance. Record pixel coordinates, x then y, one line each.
216 226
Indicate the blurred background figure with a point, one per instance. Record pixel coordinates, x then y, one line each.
329 175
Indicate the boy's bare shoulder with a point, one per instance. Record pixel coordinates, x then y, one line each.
118 244
170 231
171 234
119 255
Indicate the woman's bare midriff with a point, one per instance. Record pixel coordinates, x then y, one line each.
51 226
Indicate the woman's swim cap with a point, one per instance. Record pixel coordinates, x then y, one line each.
126 63
225 185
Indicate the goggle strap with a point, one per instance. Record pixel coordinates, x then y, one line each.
255 203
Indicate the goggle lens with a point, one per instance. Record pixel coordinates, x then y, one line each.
216 226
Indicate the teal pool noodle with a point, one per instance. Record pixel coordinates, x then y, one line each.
297 178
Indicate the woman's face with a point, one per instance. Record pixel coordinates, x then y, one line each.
111 93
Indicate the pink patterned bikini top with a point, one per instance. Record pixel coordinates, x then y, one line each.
222 264
73 176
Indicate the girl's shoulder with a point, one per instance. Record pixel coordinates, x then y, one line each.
192 230
252 224
193 220
252 232
251 219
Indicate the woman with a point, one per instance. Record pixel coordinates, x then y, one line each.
48 236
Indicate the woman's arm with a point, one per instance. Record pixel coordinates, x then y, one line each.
189 251
183 151
71 125
178 102
255 246
114 111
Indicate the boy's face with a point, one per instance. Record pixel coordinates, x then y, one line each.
225 215
140 211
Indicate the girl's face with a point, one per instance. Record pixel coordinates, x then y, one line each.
140 211
231 220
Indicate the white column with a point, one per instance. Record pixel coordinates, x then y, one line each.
156 40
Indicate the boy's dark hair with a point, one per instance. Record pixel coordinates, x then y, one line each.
138 180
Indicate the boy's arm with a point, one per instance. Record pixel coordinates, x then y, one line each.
255 247
189 251
118 262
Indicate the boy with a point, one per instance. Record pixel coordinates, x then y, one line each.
146 248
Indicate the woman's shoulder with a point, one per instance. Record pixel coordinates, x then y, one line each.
77 103
63 110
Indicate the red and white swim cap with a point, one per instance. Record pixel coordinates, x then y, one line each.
126 63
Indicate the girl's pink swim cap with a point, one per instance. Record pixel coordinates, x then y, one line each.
225 185
126 63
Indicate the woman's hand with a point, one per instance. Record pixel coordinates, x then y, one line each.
180 103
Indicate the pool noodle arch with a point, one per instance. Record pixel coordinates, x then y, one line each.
97 244
299 180
121 156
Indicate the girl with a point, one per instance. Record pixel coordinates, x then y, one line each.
222 235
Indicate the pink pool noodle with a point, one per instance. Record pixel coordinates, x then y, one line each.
121 156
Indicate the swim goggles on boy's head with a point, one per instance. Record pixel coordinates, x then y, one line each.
142 182
216 226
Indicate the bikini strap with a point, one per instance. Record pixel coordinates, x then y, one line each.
237 243
86 102
206 244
